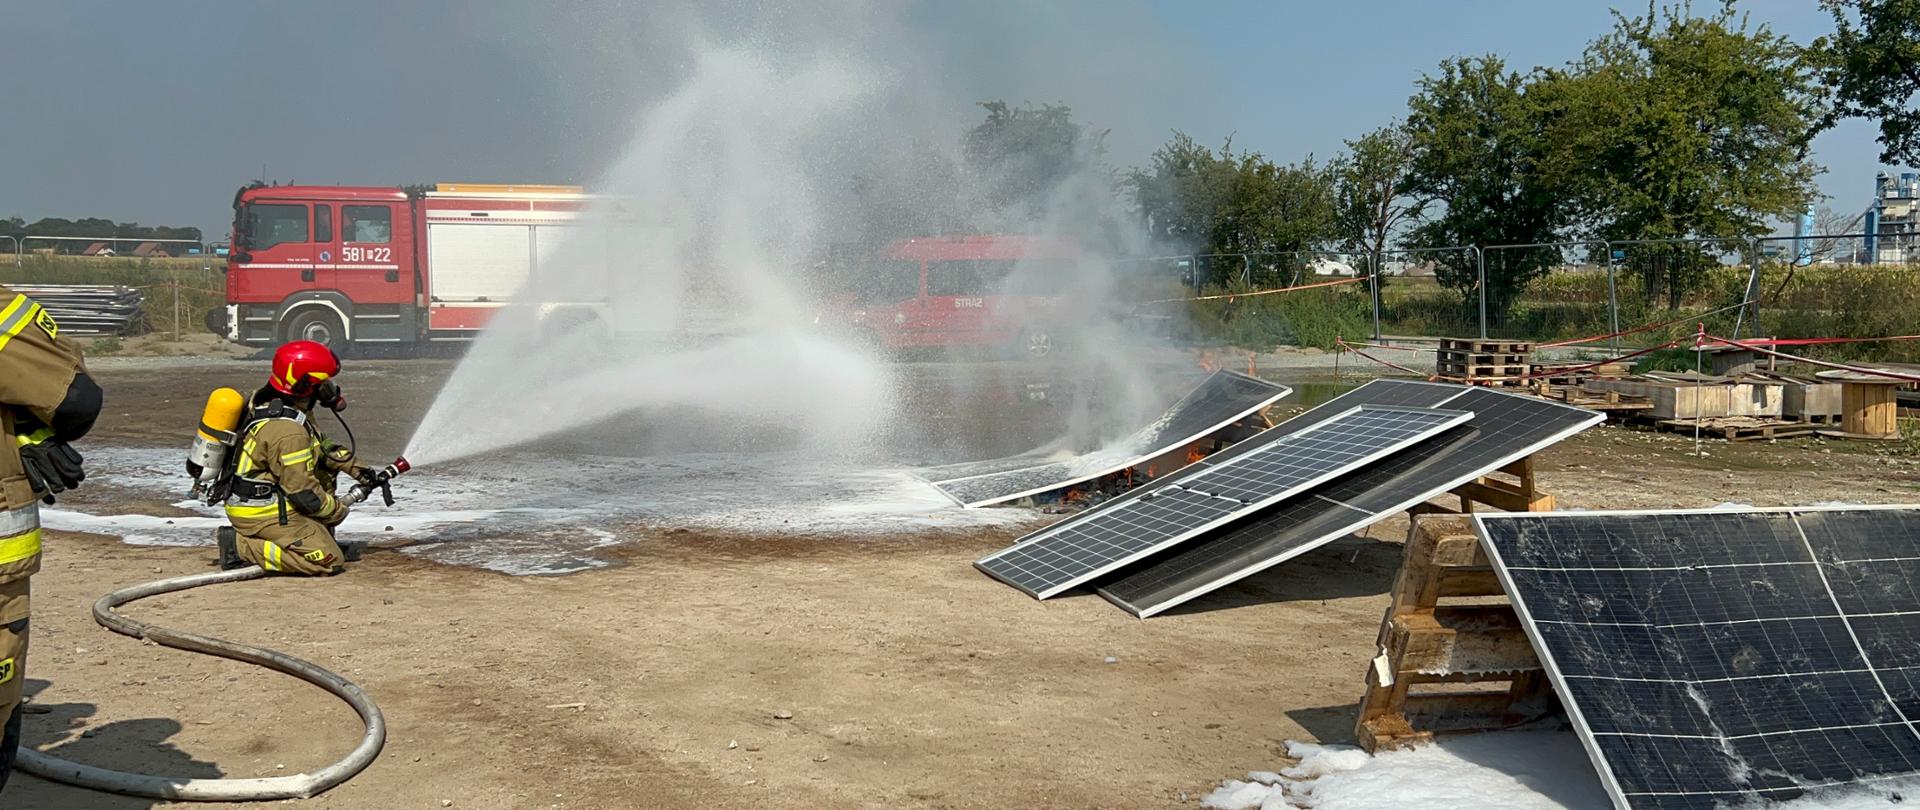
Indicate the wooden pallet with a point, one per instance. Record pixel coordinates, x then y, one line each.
1484 362
1612 403
1453 655
1512 491
1446 667
1473 359
1485 369
1478 346
1577 373
1483 375
1740 428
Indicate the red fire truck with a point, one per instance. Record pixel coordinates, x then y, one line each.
350 265
984 290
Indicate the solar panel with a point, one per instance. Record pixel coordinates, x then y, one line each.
1505 428
1221 399
1711 658
1202 496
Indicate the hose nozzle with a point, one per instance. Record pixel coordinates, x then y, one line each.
378 479
394 470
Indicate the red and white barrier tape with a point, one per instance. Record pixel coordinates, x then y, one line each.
1704 338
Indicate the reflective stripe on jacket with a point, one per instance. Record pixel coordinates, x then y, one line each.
287 454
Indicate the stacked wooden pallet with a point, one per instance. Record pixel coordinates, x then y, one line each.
1739 428
1451 658
1612 403
1485 362
1577 373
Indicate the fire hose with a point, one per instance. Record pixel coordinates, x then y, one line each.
299 786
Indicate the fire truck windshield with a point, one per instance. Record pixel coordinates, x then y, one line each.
269 225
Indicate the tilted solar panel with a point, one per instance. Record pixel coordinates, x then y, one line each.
1505 428
1203 496
1715 657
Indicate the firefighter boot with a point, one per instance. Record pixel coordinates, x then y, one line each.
229 549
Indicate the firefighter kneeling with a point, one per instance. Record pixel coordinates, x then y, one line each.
279 482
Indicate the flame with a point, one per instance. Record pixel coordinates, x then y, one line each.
1208 363
1194 454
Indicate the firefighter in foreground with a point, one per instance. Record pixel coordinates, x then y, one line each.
46 401
283 474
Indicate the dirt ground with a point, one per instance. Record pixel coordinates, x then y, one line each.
911 679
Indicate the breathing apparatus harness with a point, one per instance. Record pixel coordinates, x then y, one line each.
255 489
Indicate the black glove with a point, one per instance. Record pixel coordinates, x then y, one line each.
53 466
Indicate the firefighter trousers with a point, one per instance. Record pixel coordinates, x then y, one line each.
302 547
13 664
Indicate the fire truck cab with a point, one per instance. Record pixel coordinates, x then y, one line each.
986 290
353 265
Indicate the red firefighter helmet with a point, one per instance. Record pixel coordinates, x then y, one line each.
300 366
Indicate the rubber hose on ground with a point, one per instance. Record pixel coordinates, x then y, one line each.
299 786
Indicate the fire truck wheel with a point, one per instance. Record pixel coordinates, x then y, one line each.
319 326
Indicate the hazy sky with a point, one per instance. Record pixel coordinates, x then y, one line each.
155 112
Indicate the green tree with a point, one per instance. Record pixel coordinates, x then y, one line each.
1872 62
1674 126
1196 199
1475 131
1182 193
1371 199
1020 157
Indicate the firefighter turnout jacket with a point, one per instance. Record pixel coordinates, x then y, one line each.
45 395
282 506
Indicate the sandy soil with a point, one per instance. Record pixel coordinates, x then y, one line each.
912 680
195 345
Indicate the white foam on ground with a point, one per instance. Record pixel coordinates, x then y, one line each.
1519 770
532 514
140 530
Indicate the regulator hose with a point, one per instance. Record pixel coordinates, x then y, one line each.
300 786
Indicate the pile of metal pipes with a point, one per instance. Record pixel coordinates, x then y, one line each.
85 310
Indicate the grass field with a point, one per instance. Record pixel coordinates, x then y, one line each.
1821 301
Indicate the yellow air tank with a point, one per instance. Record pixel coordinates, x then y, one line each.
215 438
